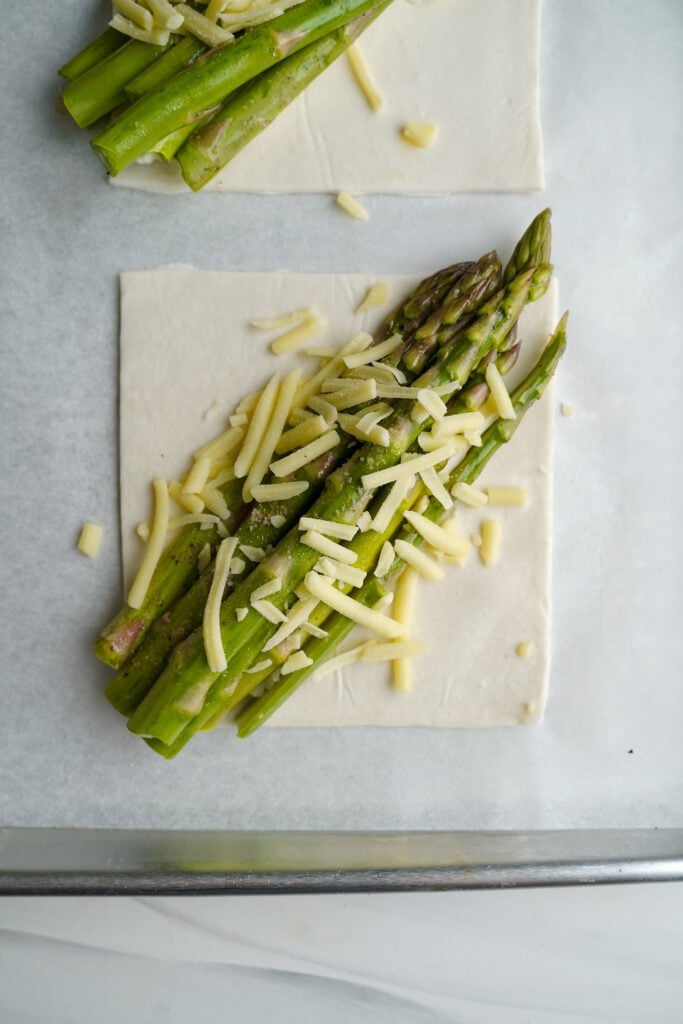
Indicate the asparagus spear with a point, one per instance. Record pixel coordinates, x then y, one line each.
246 113
162 713
532 248
100 89
202 87
177 58
103 46
259 710
125 691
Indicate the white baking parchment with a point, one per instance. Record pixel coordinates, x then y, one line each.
611 75
186 343
469 66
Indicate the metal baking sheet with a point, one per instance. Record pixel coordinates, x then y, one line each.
609 754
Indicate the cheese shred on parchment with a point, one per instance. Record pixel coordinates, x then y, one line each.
155 545
296 337
376 295
491 539
272 433
90 539
257 427
363 76
403 610
351 206
272 323
340 661
420 134
321 588
515 496
211 625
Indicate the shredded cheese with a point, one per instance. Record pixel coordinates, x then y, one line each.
90 539
340 661
237 566
363 76
514 496
272 323
403 611
198 475
469 495
325 546
473 438
248 403
215 502
191 519
421 135
266 589
324 409
385 560
390 505
396 391
323 352
211 624
295 618
279 492
214 409
321 588
499 393
295 338
424 565
291 463
257 427
525 649
392 651
430 478
295 663
437 536
491 539
374 353
340 571
224 476
272 433
221 445
332 368
204 557
428 404
260 666
241 614
355 393
376 435
566 409
278 521
313 630
301 434
142 530
376 295
155 546
203 28
253 553
140 16
458 423
165 14
238 419
407 469
364 522
351 206
192 502
269 612
155 36
342 531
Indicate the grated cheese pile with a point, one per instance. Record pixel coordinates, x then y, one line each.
153 21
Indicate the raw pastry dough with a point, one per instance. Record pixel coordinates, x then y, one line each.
469 66
186 342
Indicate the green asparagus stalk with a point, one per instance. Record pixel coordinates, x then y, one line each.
201 88
177 58
126 690
100 89
176 570
162 714
247 113
260 709
532 248
99 49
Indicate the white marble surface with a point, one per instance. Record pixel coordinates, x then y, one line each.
563 956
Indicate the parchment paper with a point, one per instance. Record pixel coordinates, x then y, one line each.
469 66
614 147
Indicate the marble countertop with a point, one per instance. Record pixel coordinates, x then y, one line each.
562 956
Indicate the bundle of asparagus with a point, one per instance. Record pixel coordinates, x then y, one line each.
212 634
201 103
